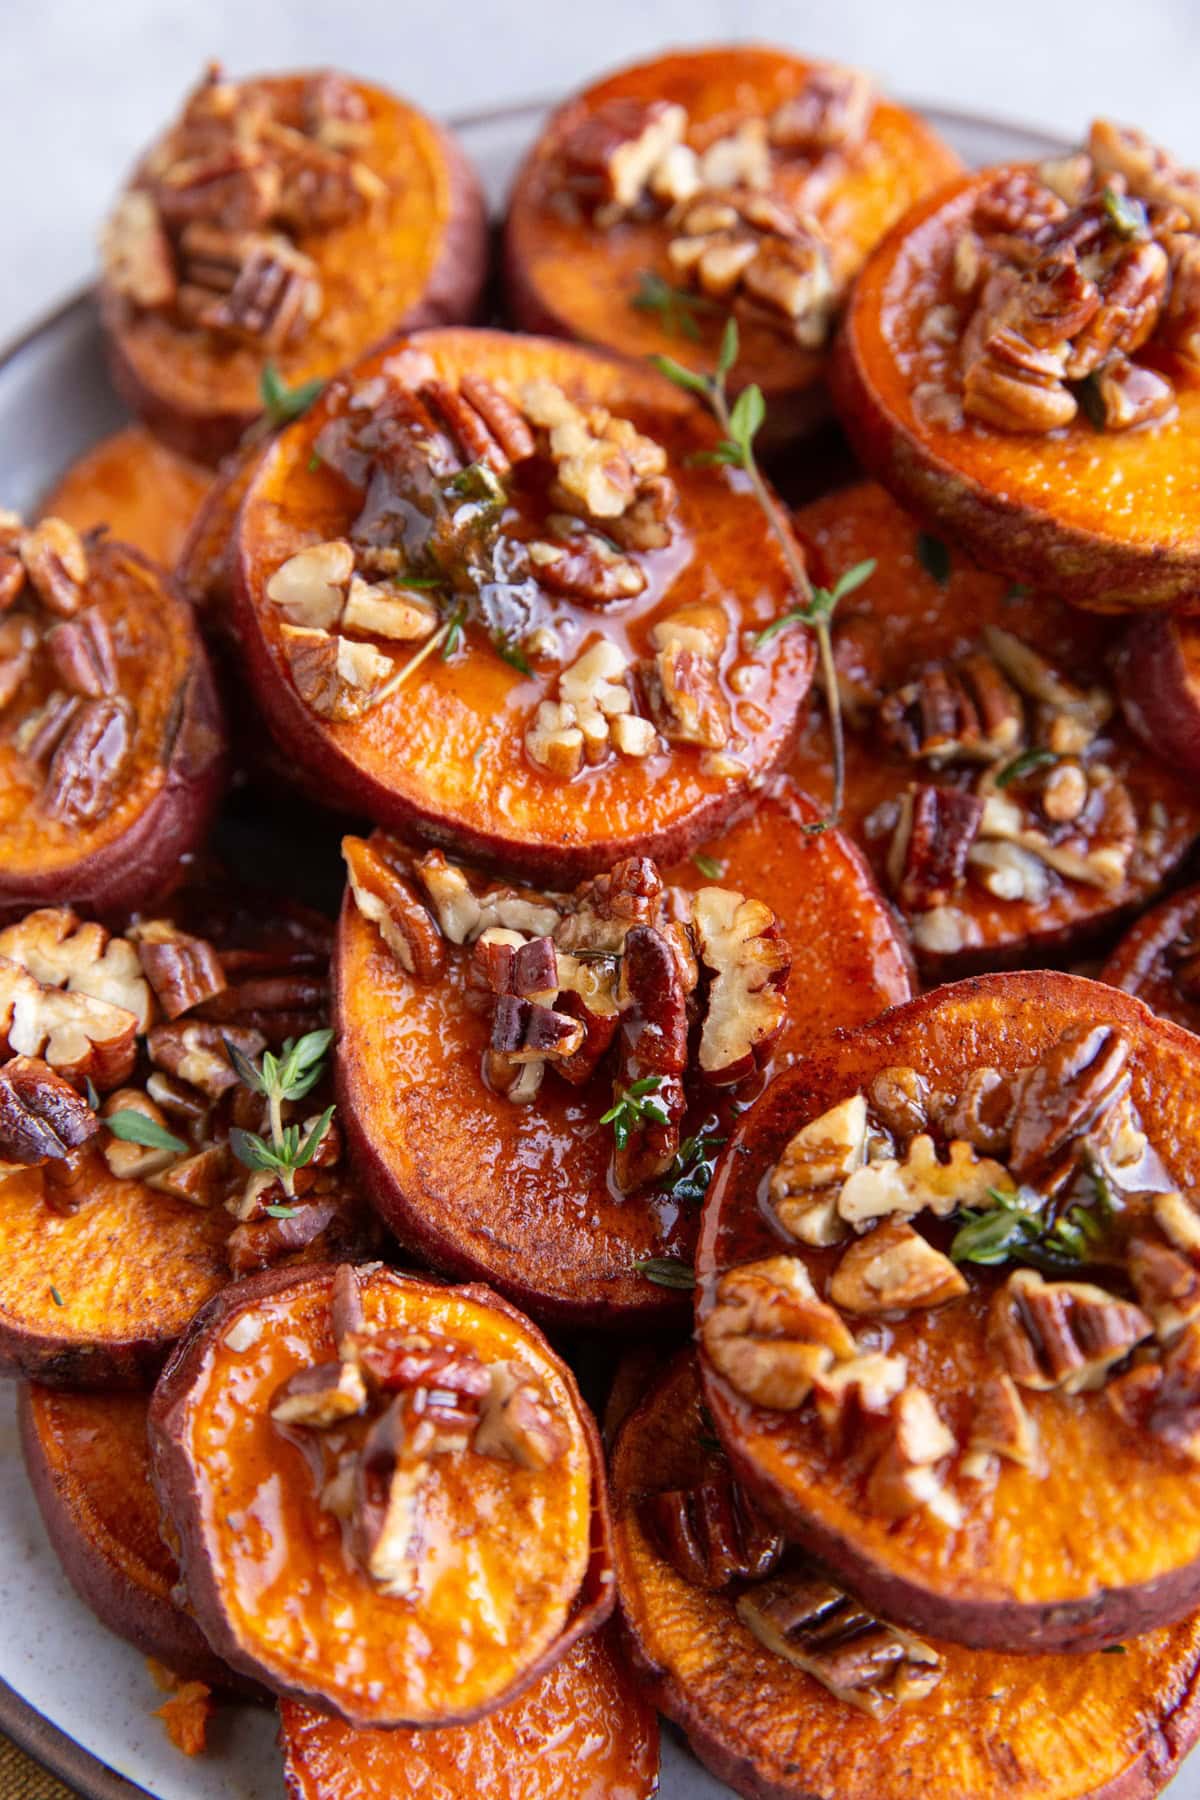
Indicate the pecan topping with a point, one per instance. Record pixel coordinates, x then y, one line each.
1065 1096
310 588
320 1396
260 1243
42 1117
832 111
184 971
807 1179
79 1036
893 1269
136 252
18 642
1164 1398
770 1336
739 943
960 712
388 899
58 951
56 564
1167 1286
89 762
908 1474
746 249
1062 1334
463 915
195 1052
927 861
81 650
921 1181
594 696
604 465
125 1159
684 698
1001 1427
517 1424
601 912
387 1504
653 1039
608 158
336 677
711 1533
250 286
818 1628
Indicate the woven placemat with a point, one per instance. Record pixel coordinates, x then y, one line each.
23 1779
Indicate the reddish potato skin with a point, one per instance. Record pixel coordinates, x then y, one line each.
1086 567
1158 679
452 293
135 1612
1041 1004
181 1497
149 859
1139 965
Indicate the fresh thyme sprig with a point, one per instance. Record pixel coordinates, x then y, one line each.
289 1076
636 1105
282 404
686 1181
676 307
1019 1227
740 421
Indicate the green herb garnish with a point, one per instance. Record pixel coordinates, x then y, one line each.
933 557
282 404
636 1105
992 1235
667 1271
512 654
280 1212
676 307
56 1297
740 423
686 1181
1025 764
709 867
1126 215
289 1076
823 602
134 1127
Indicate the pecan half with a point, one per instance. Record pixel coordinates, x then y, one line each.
388 899
1065 1096
18 643
56 564
89 763
653 1040
1001 1426
832 111
253 287
965 712
711 1533
42 1117
927 859
855 1656
1061 1334
770 1336
195 1052
81 650
184 971
607 157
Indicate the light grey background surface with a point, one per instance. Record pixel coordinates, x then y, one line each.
84 83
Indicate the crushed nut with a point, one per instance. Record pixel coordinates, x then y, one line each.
770 1336
739 943
386 897
893 1269
1062 1334
856 1657
517 1424
42 1117
320 1396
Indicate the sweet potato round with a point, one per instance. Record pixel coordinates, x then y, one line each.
520 1196
905 619
140 490
443 759
1102 519
996 1727
582 1730
88 1462
1146 961
566 277
291 1608
1158 673
1107 1542
422 262
170 794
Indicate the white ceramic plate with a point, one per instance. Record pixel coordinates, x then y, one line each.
73 1695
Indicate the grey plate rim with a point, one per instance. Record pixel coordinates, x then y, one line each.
29 1729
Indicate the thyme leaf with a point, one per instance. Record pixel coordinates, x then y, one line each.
1126 215
709 867
635 1105
134 1127
676 308
281 403
1025 764
667 1271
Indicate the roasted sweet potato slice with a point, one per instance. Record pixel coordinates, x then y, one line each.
438 1525
477 500
1158 672
1007 809
88 1461
736 178
1019 350
110 1244
111 745
521 1193
944 1304
1159 960
996 1727
583 1729
279 228
140 490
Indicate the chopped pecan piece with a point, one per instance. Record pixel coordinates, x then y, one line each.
856 1657
1167 1285
1164 1398
310 587
899 1099
927 859
183 970
770 1336
88 763
609 156
684 697
464 915
201 1180
231 188
387 1504
389 900
893 1269
1062 1334
600 913
653 1038
517 1423
523 1031
42 1117
966 712
907 1475
250 286
81 650
832 111
807 1179
195 1052
58 951
18 642
317 186
981 1113
748 960
584 566
56 564
79 1036
702 628
854 1399
921 1181
1065 1096
388 612
1001 1427
1148 171
336 677
136 252
604 466
320 1396
260 1243
482 421
711 1533
1130 395
127 1160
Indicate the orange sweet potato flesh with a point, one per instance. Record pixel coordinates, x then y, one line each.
420 260
1150 959
996 1727
444 758
171 785
903 620
1104 1544
566 277
582 1732
1107 519
520 1195
142 491
88 1462
516 1561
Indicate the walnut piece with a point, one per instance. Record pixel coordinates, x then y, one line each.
921 1181
807 1179
59 951
893 1269
1061 1334
770 1336
336 677
739 943
79 1036
856 1657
